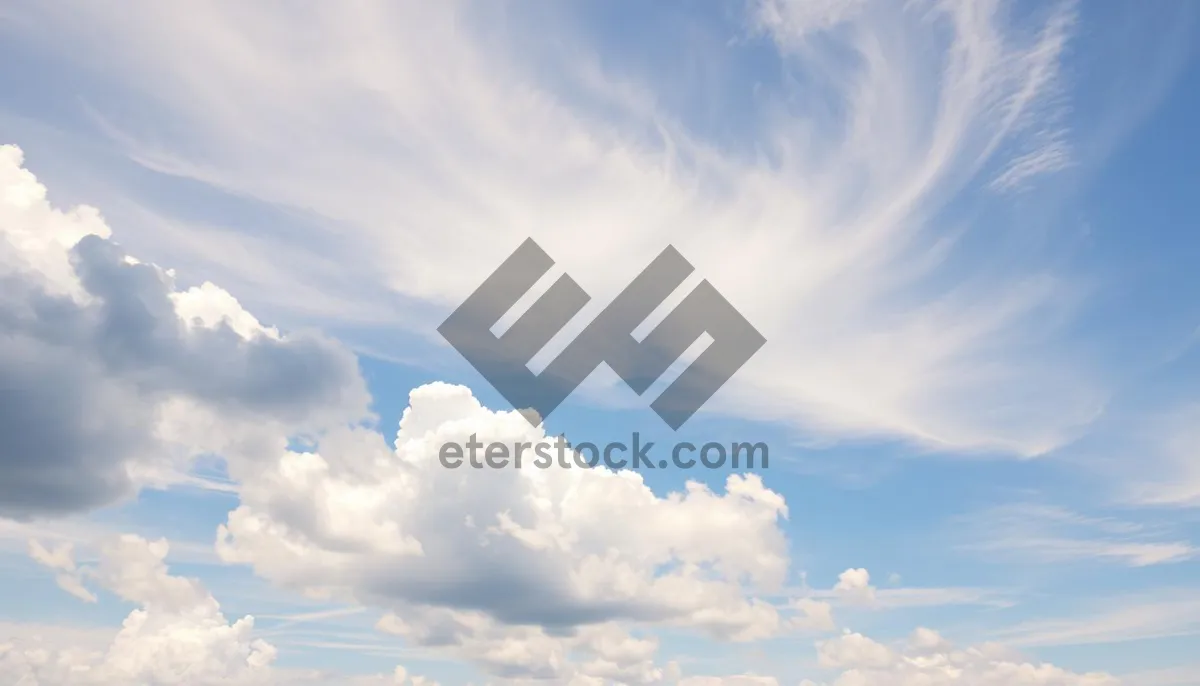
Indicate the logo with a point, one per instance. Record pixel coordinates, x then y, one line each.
503 360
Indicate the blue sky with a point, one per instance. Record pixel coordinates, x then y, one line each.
965 229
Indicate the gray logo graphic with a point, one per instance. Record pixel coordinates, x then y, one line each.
608 339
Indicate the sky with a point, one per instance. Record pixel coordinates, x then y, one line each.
966 230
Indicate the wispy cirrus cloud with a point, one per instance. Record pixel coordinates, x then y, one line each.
421 141
1049 534
1169 447
1166 613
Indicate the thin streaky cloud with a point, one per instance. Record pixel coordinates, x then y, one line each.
1044 534
846 216
1170 613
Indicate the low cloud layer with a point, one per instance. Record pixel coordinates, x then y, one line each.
928 659
178 635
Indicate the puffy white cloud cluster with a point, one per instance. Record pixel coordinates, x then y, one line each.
526 572
177 634
924 659
930 660
553 547
112 377
595 654
855 585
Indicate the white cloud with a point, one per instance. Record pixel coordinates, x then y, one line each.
555 574
854 588
894 598
1165 613
930 660
61 560
496 564
178 634
1044 160
1184 675
735 680
827 232
813 615
597 653
925 659
1052 534
791 21
526 573
855 585
112 378
1168 469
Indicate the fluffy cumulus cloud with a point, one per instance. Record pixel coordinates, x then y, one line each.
526 571
176 636
927 659
855 585
595 654
111 376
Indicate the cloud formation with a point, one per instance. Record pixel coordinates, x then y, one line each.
452 553
930 660
112 377
834 224
1040 533
855 586
178 634
830 222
